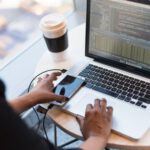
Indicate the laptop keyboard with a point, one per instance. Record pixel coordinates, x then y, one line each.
120 86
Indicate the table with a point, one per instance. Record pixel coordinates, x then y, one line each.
68 122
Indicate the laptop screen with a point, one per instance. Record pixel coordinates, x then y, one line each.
119 31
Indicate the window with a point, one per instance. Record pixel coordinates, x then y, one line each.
19 21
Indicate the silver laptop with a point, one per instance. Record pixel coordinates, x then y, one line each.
118 40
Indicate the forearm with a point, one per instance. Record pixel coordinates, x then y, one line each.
23 103
95 143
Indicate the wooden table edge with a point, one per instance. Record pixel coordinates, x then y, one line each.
51 114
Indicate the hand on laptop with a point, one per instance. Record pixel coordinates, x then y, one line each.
97 123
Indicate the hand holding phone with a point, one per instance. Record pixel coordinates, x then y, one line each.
69 86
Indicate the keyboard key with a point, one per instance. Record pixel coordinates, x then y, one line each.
138 84
89 85
143 85
116 81
122 97
132 102
132 86
148 91
113 89
129 95
105 91
121 83
136 92
147 96
114 84
109 83
127 99
112 75
137 88
119 86
106 78
124 93
111 79
141 94
139 103
145 100
103 81
143 90
108 87
125 88
132 82
143 106
119 91
135 97
142 82
99 84
101 76
126 84
130 90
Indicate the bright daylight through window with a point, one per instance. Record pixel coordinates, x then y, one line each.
19 21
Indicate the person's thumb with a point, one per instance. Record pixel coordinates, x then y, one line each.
55 97
80 120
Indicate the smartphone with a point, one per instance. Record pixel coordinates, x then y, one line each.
69 86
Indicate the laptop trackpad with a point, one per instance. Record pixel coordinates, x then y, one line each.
126 117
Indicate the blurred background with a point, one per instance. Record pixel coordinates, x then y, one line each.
20 51
19 20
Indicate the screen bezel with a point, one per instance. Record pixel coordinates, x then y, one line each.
106 60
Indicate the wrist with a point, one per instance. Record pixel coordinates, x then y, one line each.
100 139
23 103
102 136
32 98
95 142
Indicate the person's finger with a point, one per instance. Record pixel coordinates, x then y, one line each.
54 76
103 104
39 79
51 86
47 75
80 121
97 105
110 111
55 97
89 107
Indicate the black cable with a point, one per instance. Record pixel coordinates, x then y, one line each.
29 87
44 128
39 121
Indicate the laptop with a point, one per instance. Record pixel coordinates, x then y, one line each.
117 38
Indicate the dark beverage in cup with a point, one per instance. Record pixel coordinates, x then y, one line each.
54 29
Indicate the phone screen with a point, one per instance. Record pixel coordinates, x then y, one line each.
69 86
